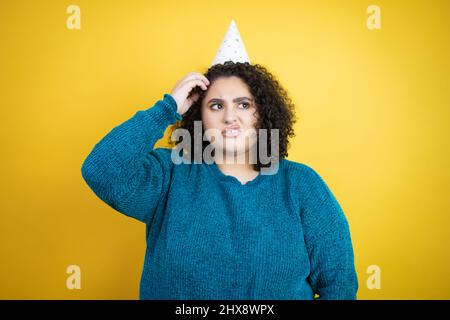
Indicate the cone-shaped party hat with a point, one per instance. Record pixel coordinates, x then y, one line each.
232 47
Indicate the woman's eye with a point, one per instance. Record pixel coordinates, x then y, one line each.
212 106
245 104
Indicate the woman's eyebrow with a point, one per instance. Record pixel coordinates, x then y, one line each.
234 100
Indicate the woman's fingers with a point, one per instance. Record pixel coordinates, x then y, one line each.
198 76
196 82
183 88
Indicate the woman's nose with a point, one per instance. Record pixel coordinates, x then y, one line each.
230 115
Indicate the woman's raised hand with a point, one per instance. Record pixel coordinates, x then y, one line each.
184 86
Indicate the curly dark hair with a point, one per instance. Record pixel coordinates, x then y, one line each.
275 109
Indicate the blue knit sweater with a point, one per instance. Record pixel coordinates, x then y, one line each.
280 236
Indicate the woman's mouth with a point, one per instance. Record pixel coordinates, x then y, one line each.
231 133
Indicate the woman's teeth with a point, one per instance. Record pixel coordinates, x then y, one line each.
231 133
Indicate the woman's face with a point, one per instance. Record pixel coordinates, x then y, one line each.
229 104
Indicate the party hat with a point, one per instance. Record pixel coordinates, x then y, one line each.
232 47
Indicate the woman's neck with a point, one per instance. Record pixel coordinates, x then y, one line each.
236 167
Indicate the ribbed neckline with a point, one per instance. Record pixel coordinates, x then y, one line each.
231 179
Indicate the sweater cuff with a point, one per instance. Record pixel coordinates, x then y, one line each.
169 100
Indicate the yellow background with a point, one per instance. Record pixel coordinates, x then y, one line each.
373 108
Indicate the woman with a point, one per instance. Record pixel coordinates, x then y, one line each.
223 230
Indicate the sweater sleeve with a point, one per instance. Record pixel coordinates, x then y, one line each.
327 237
125 171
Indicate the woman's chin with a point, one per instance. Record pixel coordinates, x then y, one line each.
232 152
